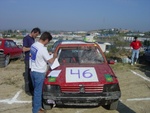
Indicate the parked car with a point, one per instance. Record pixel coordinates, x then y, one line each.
10 50
147 54
2 58
84 77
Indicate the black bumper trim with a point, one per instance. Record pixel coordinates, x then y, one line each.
85 99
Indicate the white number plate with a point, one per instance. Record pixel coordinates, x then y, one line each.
81 74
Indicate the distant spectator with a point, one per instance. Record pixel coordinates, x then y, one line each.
136 45
27 42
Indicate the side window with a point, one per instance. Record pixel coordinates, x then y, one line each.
13 44
108 47
7 44
52 49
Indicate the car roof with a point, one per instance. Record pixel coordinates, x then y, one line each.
70 43
5 39
73 42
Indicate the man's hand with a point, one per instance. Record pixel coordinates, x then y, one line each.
54 55
25 49
53 59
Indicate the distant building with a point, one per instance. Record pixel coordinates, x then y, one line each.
124 31
80 32
128 38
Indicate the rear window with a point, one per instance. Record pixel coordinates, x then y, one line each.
80 55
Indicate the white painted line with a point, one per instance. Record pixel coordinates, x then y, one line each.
145 78
80 111
14 99
22 101
4 101
138 99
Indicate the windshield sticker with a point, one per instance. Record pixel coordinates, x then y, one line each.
81 74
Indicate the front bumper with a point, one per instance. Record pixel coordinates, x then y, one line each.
81 99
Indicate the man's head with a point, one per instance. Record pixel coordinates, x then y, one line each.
45 38
35 32
135 38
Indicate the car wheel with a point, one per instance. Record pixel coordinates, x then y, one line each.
112 106
47 106
2 60
7 60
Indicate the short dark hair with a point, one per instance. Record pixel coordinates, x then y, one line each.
135 37
46 35
36 29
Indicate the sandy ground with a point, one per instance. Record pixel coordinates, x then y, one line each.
135 91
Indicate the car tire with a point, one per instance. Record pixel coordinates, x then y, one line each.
47 106
2 60
112 106
7 60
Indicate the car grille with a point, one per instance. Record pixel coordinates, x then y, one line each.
82 89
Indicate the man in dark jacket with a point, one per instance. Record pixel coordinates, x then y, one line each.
27 42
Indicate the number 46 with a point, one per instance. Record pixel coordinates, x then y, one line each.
79 73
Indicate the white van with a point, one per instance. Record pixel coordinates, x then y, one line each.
105 46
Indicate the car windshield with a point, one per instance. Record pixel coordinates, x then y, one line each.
80 55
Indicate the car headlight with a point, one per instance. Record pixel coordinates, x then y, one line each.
52 88
111 87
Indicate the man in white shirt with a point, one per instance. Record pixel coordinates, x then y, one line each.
39 59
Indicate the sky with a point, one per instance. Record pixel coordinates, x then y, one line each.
75 15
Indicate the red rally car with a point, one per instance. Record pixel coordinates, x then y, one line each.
10 50
84 77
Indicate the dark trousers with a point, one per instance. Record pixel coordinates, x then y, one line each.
27 78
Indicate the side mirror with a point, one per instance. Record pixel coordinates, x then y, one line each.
111 62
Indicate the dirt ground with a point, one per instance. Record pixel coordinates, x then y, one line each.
135 91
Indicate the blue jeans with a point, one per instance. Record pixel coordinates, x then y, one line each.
37 80
135 54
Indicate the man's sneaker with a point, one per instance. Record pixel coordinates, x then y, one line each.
42 110
134 62
131 64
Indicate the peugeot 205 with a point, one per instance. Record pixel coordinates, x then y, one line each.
10 50
84 77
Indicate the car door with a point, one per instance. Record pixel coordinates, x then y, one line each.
15 49
8 49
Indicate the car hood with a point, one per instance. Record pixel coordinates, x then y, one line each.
95 74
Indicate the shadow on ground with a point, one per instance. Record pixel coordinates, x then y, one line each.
122 108
144 66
